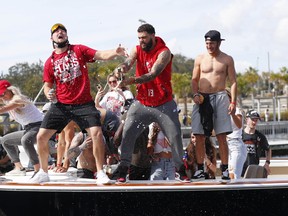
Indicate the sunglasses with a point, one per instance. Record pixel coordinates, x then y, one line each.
56 26
113 81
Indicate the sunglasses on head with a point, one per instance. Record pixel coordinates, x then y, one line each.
113 81
56 26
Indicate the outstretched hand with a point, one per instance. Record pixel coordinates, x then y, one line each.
121 51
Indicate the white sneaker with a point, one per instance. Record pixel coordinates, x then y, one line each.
198 176
102 178
40 177
16 172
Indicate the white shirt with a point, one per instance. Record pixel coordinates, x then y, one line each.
237 132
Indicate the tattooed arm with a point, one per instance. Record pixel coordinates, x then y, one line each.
162 61
127 64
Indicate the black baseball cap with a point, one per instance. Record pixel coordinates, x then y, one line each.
253 114
213 35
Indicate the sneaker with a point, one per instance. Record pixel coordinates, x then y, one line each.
34 174
198 175
225 176
16 172
122 172
181 175
102 178
40 177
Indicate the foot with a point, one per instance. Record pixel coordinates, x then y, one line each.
225 176
102 178
40 177
181 175
16 172
122 172
198 176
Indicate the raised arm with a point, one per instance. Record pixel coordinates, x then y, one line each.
109 54
8 107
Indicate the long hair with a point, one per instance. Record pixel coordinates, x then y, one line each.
191 156
210 149
18 98
211 155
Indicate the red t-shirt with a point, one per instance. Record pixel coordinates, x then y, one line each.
70 73
157 91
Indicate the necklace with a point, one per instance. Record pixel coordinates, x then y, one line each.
67 60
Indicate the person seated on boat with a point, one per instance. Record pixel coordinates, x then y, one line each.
81 146
255 142
140 167
116 99
163 166
110 124
5 163
64 141
190 162
23 111
61 143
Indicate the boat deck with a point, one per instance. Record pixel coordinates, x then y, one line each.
66 194
68 182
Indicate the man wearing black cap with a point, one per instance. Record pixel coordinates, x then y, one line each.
211 70
67 69
256 142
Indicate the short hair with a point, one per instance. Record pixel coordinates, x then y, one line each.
146 28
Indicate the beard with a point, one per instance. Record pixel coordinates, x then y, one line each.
148 46
60 45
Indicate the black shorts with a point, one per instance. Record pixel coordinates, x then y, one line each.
59 115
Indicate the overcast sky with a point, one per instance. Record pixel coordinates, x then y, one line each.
253 29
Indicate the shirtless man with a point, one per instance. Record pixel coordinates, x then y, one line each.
210 73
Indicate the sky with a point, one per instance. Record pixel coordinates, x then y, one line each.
255 30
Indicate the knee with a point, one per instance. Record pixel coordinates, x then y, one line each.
97 135
42 141
3 142
26 141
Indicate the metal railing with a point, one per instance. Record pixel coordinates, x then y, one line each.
6 124
270 129
274 130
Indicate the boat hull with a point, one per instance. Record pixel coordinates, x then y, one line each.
73 196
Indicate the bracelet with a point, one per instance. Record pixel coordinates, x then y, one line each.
196 94
58 165
268 161
233 103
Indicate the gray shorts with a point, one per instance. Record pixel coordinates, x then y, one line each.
221 118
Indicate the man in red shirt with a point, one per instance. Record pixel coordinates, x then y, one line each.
67 69
154 97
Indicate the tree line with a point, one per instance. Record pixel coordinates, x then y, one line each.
28 77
